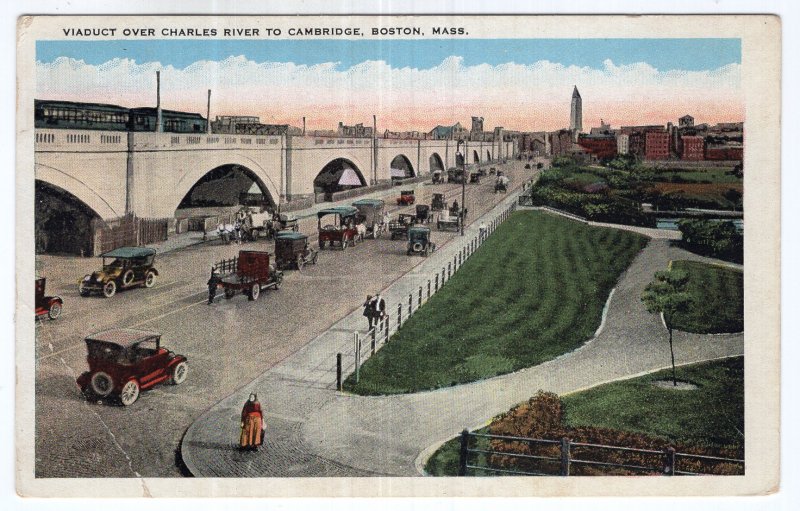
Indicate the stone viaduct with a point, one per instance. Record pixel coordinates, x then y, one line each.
149 173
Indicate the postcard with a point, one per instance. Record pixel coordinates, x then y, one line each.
398 255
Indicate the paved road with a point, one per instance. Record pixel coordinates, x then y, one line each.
315 431
228 344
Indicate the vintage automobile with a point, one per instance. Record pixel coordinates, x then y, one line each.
423 215
501 185
437 203
49 306
293 251
527 165
339 226
248 273
492 170
475 177
406 198
370 213
123 268
419 241
447 220
455 175
437 177
123 362
399 228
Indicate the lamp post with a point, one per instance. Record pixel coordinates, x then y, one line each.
463 159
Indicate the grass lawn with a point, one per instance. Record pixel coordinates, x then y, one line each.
717 296
533 291
712 416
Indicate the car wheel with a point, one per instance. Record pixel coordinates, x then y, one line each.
321 245
149 279
255 290
110 289
229 293
82 290
127 278
278 281
130 393
179 373
55 310
101 384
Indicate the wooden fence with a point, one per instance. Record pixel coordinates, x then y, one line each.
127 231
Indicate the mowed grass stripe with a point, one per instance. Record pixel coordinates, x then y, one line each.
717 296
533 291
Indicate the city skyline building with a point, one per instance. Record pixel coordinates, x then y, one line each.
576 113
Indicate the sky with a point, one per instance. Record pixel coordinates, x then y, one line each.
523 84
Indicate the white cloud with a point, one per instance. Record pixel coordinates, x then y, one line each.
277 90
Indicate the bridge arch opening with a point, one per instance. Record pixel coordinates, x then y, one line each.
62 222
226 187
475 157
401 167
337 176
435 162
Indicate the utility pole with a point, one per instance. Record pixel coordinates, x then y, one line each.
463 157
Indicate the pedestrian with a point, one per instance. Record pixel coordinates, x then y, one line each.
379 308
213 284
455 207
252 424
369 310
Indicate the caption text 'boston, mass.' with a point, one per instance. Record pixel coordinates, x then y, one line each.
260 32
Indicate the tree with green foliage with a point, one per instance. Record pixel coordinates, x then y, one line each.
716 238
667 295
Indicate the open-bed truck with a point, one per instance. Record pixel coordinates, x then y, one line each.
248 273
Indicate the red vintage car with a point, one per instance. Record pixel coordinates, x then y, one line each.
406 198
49 306
124 361
338 226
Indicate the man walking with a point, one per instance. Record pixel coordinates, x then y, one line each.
369 310
213 284
379 308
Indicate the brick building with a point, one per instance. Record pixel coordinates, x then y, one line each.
656 145
603 147
693 148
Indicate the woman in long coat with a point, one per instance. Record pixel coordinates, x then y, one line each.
252 434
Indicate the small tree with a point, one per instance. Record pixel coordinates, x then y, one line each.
667 295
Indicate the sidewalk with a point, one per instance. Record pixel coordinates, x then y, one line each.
312 430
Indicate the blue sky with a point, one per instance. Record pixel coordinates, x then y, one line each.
663 54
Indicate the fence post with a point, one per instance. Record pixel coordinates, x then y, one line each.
374 334
386 328
429 290
448 269
565 458
357 339
436 283
410 304
419 298
339 372
669 466
462 458
399 315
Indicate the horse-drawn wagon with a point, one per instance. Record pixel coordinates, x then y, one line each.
370 215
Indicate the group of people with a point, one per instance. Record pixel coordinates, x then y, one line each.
374 309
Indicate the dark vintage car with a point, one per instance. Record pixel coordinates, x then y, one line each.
455 175
437 203
423 215
293 251
49 306
123 268
527 165
370 213
123 362
339 226
419 241
406 198
399 228
475 177
437 177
